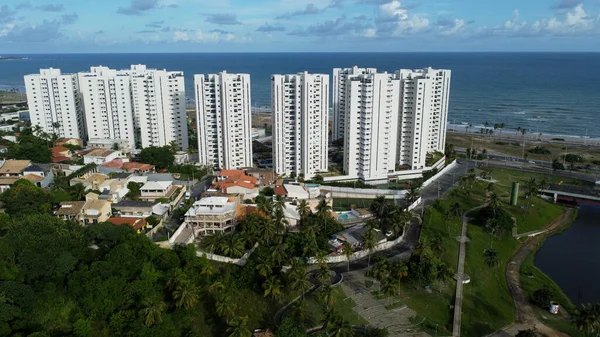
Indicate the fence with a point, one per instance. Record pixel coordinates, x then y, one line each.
439 174
220 258
364 193
361 253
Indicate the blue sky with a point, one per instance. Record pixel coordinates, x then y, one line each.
37 26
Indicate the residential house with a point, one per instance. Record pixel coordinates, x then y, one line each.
138 168
7 182
43 171
14 168
95 211
114 189
91 182
153 190
70 210
100 156
265 177
60 154
139 224
134 208
292 192
212 214
355 236
69 141
122 144
236 182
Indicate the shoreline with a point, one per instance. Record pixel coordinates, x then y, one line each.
528 137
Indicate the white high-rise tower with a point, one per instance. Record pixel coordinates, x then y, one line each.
159 106
371 119
424 102
300 105
340 77
224 120
106 95
53 100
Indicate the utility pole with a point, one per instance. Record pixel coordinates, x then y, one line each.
523 154
585 138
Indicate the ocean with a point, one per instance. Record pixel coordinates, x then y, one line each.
549 93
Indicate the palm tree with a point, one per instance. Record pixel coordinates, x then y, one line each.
303 210
437 244
323 209
443 272
399 271
370 243
264 268
494 202
186 295
587 319
267 232
264 205
456 210
323 274
390 287
339 327
279 203
278 253
232 246
152 311
238 327
301 283
327 296
212 243
272 287
489 188
491 258
216 287
225 308
379 208
348 252
77 191
412 195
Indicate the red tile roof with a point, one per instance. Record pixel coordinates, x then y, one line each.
231 173
60 159
137 166
226 185
57 150
115 163
280 190
136 223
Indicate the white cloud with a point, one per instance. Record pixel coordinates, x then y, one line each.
212 36
394 19
456 26
369 32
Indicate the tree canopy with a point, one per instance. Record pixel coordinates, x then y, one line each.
161 157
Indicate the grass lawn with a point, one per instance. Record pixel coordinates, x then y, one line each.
533 279
481 142
343 305
487 305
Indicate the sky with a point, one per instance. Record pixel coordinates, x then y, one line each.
126 26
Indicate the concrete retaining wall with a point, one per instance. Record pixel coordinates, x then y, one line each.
360 254
439 174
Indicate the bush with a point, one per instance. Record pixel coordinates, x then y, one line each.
267 191
573 158
368 283
539 150
501 143
542 297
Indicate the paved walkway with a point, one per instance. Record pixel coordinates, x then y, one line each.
525 317
396 321
460 270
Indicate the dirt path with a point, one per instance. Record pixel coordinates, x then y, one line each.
525 317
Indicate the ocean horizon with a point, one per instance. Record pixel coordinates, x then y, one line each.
553 93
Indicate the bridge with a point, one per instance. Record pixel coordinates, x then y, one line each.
572 194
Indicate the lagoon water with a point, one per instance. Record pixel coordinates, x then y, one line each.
553 93
572 258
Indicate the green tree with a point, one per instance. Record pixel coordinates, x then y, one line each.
238 327
491 258
587 319
77 191
370 243
339 327
152 311
272 287
25 198
161 157
323 209
290 328
303 210
348 252
186 295
542 297
327 295
225 307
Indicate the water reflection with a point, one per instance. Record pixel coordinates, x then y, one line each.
572 258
